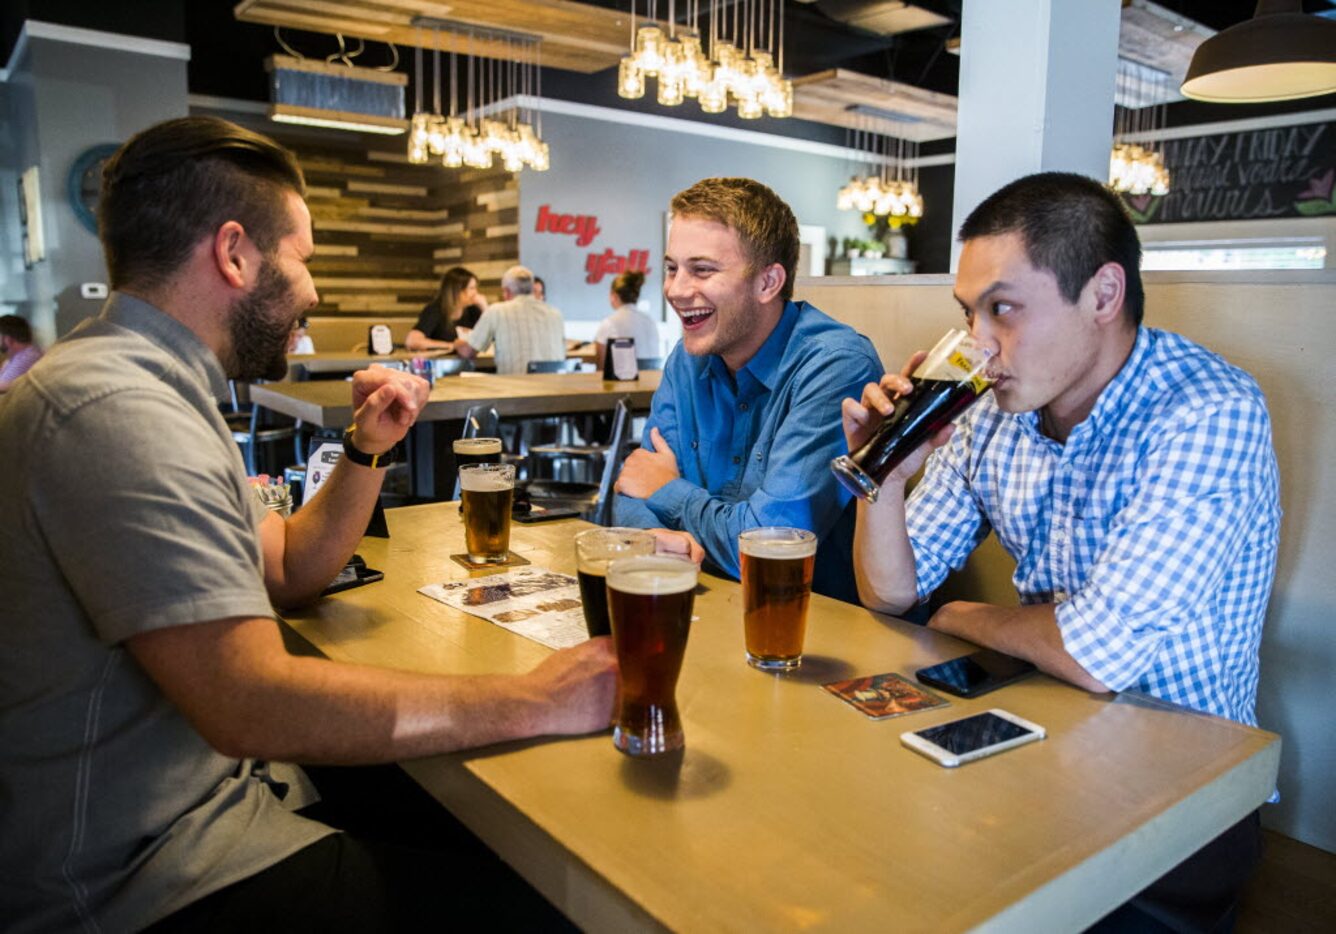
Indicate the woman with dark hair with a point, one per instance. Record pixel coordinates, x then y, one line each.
626 320
458 304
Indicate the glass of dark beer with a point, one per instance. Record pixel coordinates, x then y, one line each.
776 587
949 380
477 451
487 491
594 549
649 601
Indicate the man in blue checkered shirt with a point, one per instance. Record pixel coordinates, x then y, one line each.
1128 471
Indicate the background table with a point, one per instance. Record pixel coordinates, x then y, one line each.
789 809
329 405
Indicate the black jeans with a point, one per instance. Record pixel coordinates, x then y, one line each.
404 864
1200 894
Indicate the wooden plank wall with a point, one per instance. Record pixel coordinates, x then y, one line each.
385 230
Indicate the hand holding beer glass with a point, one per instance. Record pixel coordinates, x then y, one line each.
950 379
487 491
650 598
594 550
776 588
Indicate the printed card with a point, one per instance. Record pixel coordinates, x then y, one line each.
883 696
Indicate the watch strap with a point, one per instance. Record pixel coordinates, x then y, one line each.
361 458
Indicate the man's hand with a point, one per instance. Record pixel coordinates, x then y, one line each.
671 542
861 418
646 472
386 403
577 687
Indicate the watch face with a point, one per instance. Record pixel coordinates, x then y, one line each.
85 183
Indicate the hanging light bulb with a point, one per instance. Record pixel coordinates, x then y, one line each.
649 49
630 79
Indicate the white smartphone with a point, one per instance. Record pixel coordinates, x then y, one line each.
971 738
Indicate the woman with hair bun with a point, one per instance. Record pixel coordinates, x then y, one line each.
626 320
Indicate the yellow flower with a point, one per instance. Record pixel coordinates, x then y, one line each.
869 218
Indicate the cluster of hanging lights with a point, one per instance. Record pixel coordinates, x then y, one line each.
1143 93
889 191
484 132
739 60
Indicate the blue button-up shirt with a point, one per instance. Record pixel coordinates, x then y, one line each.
1154 528
754 448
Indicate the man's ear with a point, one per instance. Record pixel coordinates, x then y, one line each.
770 282
228 254
1108 287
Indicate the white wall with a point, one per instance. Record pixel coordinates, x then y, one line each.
1273 325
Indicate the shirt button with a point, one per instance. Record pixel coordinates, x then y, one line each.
694 445
742 407
737 460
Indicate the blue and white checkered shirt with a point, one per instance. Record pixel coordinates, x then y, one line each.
1154 528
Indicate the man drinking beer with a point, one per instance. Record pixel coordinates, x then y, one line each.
1128 471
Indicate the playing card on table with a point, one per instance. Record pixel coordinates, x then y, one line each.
885 695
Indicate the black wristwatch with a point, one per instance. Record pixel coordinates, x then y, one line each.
364 459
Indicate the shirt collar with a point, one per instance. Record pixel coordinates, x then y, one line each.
162 329
1116 397
764 365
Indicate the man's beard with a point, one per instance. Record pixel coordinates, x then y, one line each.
260 328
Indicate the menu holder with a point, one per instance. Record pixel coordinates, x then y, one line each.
379 340
619 364
320 461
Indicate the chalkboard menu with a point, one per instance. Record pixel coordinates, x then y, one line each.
1277 172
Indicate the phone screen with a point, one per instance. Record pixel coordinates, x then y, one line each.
975 674
976 732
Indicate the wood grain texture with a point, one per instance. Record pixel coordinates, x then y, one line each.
789 809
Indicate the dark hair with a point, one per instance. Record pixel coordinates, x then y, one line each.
15 328
1071 226
763 222
627 286
179 181
454 282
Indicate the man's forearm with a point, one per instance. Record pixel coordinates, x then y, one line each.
322 535
1028 632
883 557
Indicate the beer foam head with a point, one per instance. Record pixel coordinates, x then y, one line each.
487 478
777 543
476 446
652 575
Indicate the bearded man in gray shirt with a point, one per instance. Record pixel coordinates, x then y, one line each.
143 678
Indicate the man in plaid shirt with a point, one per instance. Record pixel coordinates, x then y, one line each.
1129 472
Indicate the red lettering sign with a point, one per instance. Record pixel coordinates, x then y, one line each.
598 265
584 227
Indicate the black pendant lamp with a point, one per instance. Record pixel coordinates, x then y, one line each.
1280 54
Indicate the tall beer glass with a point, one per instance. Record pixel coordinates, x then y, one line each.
477 451
949 380
776 587
649 600
487 491
594 549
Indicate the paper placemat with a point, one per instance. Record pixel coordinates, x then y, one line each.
535 603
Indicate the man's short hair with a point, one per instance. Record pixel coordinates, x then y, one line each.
1071 225
16 329
518 280
179 181
763 222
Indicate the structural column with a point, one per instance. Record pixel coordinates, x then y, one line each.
1036 93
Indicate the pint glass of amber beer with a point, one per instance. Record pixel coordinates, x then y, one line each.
487 491
776 586
948 381
594 550
649 601
477 451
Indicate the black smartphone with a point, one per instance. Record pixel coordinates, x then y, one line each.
354 574
973 675
543 514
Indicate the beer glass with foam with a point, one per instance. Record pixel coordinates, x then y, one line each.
487 491
649 601
949 380
477 451
776 587
594 549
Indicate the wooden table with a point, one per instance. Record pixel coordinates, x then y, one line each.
790 810
329 405
337 363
